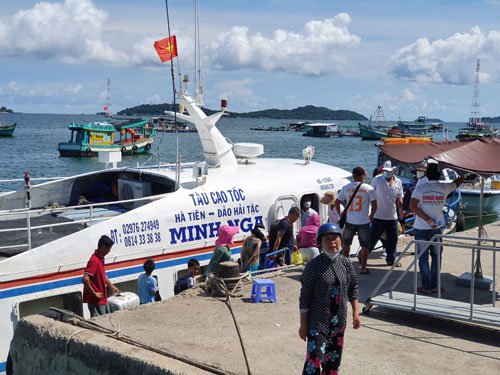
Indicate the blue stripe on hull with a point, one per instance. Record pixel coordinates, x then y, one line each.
111 274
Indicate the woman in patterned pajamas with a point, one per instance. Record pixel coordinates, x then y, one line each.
328 282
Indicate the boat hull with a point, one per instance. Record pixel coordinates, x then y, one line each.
368 134
86 150
7 130
470 200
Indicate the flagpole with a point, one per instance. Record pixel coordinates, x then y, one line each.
177 172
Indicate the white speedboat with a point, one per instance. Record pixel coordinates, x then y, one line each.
170 213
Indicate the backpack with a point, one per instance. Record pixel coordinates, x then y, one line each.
181 284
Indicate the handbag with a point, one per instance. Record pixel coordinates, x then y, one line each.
343 218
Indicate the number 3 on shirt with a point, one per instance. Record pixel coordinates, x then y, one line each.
357 203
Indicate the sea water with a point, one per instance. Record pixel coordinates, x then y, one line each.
33 147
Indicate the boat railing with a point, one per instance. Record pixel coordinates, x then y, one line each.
476 246
90 216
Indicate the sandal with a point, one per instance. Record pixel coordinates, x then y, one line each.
364 272
423 291
392 263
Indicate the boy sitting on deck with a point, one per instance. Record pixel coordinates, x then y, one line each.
189 280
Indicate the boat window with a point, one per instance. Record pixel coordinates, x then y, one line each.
125 286
68 301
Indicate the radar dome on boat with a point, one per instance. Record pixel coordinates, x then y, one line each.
248 150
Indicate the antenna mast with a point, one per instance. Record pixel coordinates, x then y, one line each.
198 81
475 118
108 100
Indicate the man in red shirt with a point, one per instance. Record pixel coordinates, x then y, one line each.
95 280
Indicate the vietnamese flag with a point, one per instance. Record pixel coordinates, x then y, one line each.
166 48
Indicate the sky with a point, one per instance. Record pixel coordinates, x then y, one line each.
413 57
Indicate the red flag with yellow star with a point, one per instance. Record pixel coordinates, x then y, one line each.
166 48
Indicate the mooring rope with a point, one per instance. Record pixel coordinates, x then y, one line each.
90 325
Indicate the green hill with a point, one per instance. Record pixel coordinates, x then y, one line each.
308 112
6 110
491 120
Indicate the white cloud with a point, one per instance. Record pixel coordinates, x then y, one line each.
154 99
407 96
450 60
74 89
71 31
317 49
237 90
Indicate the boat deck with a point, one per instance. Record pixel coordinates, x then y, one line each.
73 219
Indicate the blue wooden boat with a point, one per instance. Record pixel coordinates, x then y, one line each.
130 137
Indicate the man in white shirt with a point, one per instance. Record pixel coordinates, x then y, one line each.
357 215
427 203
388 193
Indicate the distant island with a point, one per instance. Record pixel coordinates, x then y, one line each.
491 120
6 110
308 112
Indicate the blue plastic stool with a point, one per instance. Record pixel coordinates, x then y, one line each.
263 289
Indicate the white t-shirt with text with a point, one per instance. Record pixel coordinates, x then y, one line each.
359 210
431 196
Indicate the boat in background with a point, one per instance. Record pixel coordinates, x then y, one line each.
377 127
475 131
418 127
7 130
129 137
475 128
167 125
322 130
436 127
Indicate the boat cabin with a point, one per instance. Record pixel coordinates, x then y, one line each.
322 130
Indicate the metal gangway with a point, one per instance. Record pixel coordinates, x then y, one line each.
437 306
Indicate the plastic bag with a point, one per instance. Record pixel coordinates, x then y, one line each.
296 257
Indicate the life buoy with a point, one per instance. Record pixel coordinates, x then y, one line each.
134 149
148 146
124 150
88 151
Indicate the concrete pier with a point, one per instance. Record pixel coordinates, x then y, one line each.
201 328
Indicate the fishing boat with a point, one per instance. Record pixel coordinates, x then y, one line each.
436 127
167 125
128 137
322 130
7 130
417 127
476 131
168 212
377 127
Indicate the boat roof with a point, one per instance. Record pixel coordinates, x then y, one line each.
99 126
318 124
132 123
108 127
